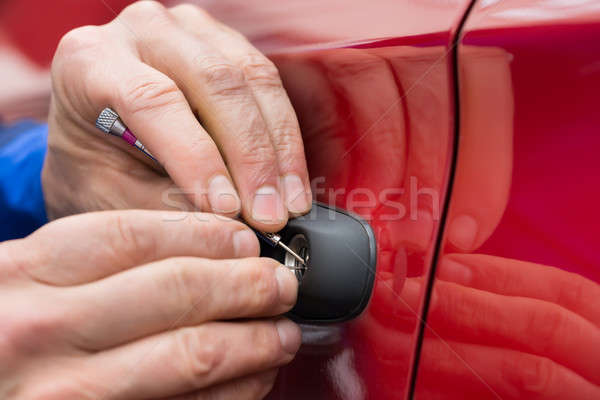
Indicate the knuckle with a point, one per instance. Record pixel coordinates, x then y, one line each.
76 52
230 32
14 261
145 11
577 293
84 38
202 355
205 150
190 10
548 324
261 277
534 376
146 94
123 230
182 282
123 233
259 70
33 330
126 240
286 136
222 78
258 153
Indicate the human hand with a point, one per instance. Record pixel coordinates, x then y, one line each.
490 333
129 305
493 334
163 70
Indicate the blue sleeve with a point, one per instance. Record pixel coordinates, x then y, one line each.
22 152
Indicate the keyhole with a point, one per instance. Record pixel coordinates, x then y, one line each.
299 245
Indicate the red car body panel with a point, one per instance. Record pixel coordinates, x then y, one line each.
475 165
514 311
372 84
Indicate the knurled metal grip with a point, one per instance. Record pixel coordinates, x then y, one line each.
110 123
106 120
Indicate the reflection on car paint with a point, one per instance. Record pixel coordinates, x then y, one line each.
514 309
392 171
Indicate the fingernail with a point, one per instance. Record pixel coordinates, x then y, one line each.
289 335
245 243
463 232
456 272
296 198
222 196
267 206
288 285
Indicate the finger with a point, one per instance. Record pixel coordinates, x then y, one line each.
396 307
255 386
368 141
118 240
523 324
461 370
217 91
179 292
190 359
132 185
266 86
504 276
417 70
484 169
151 105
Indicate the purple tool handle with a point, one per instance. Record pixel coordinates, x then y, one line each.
129 137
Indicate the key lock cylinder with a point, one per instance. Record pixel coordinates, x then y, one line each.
336 269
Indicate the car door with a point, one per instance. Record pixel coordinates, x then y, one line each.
372 84
515 308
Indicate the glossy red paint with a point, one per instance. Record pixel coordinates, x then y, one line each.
372 87
36 26
514 310
375 151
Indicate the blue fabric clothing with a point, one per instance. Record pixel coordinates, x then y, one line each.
22 152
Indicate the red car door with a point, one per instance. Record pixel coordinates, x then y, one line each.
515 308
372 84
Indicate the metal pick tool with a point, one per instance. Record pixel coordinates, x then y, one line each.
110 123
274 240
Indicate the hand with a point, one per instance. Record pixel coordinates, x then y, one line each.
497 335
127 305
163 70
492 334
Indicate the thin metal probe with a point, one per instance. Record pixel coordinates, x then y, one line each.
296 256
275 240
110 123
